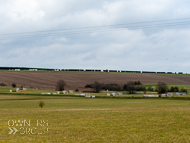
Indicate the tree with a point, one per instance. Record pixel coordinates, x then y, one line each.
176 89
139 83
60 85
130 87
172 89
13 84
150 88
97 86
161 87
144 89
118 88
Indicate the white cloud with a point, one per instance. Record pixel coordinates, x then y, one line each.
156 49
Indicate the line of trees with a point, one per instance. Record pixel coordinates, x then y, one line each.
132 87
162 87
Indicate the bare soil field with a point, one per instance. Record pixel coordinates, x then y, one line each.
47 80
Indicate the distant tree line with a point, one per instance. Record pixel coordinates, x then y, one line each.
132 87
161 87
110 87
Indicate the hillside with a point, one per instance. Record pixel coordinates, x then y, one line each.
47 80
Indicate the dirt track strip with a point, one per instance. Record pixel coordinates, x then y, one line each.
47 80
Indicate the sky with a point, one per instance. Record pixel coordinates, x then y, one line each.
131 35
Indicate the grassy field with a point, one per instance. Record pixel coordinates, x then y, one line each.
170 85
72 119
34 91
28 90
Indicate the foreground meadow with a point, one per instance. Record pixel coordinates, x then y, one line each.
71 119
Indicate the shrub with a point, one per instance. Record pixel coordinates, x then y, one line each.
41 104
140 88
77 90
118 88
88 86
110 87
13 84
3 84
174 89
150 88
183 90
137 83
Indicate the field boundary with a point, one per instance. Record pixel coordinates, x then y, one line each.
102 97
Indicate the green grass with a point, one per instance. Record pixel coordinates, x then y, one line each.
169 86
34 91
74 120
28 90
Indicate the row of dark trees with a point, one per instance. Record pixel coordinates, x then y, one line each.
161 87
3 84
101 86
131 87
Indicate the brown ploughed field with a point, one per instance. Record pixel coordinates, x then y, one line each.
74 80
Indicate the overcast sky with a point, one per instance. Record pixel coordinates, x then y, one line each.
65 34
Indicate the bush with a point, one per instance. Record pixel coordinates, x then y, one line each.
137 83
88 86
77 90
2 84
150 88
118 88
183 90
110 87
13 84
60 85
41 104
140 88
173 89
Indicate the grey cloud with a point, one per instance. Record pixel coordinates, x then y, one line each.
155 49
